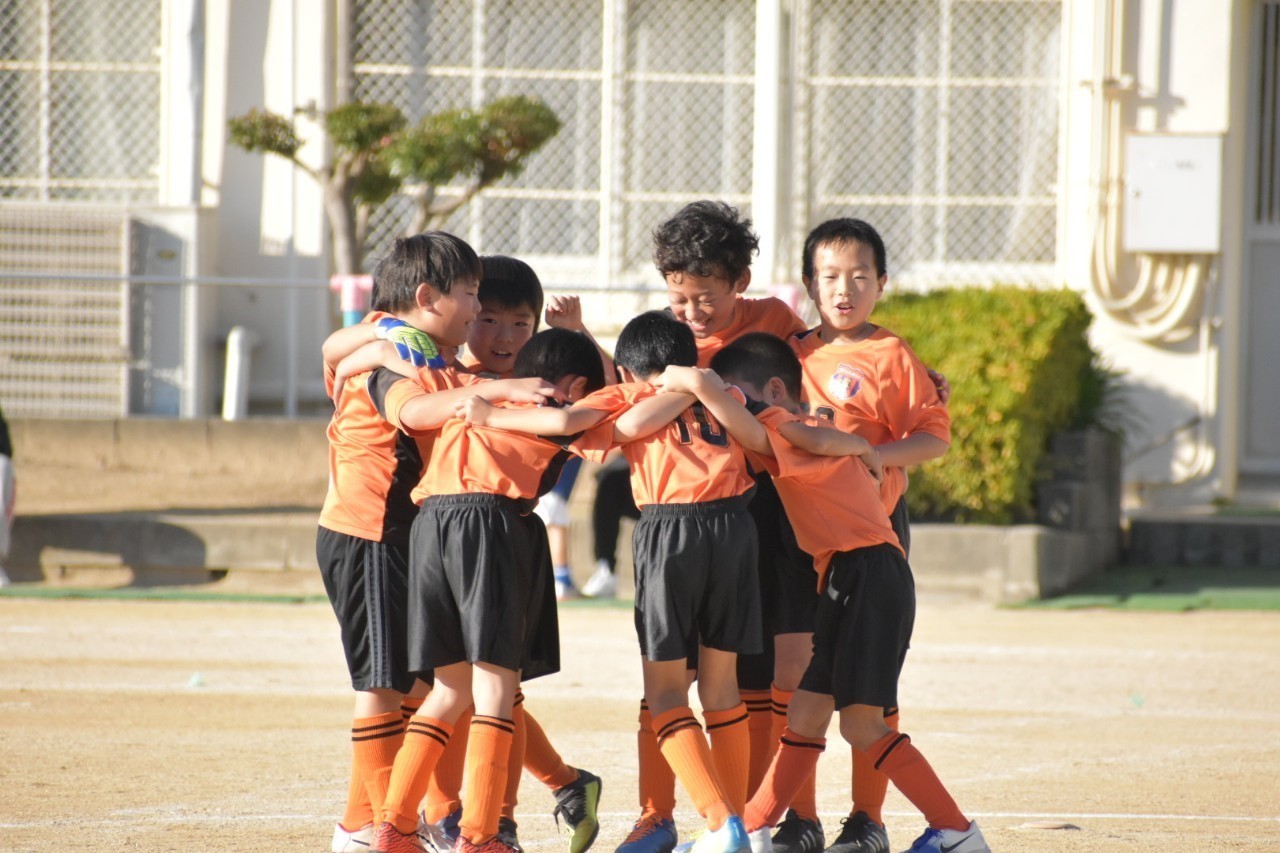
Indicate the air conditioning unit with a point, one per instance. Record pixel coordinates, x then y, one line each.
98 316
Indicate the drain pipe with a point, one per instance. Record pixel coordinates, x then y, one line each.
235 385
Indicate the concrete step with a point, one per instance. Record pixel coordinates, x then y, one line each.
274 551
1204 537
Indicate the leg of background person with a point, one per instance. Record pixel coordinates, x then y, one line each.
613 501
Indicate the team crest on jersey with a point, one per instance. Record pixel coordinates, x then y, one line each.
845 382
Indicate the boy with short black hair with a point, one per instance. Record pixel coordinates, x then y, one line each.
424 292
694 552
868 381
867 611
478 601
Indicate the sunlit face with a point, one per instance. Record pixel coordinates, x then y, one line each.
845 288
456 311
704 303
498 334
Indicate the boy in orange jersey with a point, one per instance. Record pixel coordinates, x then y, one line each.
865 615
704 253
480 610
423 300
511 300
695 560
868 381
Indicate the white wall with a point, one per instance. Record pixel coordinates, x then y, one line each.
1179 56
270 214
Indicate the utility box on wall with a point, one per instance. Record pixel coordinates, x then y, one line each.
1173 193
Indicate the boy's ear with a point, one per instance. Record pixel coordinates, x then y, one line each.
624 374
577 388
775 391
808 286
881 282
425 296
744 280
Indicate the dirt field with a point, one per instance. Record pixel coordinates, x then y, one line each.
174 726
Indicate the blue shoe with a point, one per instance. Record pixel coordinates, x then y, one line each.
731 837
951 841
651 834
443 834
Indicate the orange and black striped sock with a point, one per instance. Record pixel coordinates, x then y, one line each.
424 742
374 741
444 790
730 735
541 758
869 784
409 706
487 755
759 724
805 802
910 773
685 747
795 761
515 760
657 781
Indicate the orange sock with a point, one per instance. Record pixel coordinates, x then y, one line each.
760 725
730 736
515 759
424 742
685 747
795 761
869 784
657 781
541 758
374 742
409 706
444 791
911 774
487 755
805 802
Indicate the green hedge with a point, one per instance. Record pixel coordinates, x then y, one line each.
1017 361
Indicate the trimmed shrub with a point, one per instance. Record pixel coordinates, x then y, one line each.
1018 361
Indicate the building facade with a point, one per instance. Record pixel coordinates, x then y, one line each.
1123 148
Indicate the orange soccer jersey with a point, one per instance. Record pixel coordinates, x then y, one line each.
832 501
371 464
877 388
690 460
769 314
470 459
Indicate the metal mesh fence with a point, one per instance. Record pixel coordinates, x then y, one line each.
79 100
936 120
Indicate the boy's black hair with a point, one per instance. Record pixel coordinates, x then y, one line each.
553 354
432 257
653 341
510 283
705 238
758 357
838 231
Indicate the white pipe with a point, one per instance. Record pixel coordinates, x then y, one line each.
235 386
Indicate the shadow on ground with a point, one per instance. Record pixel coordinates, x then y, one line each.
1172 588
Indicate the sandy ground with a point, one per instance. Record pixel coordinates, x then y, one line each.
173 726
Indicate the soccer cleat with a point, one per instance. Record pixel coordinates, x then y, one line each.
651 834
493 845
565 590
731 837
507 834
388 839
442 834
357 841
577 803
760 840
861 834
951 841
603 583
798 835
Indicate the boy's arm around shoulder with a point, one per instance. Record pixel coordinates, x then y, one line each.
541 420
711 391
829 441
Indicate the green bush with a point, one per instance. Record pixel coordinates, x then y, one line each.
1019 363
